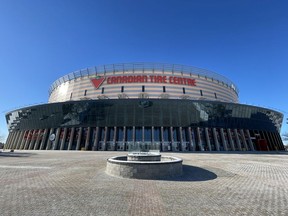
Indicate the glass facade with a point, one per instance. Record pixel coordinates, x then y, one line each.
176 125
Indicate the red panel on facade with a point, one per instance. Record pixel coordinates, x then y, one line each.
98 82
262 145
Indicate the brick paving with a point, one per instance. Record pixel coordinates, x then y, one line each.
75 183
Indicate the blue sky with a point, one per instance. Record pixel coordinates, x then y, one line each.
246 41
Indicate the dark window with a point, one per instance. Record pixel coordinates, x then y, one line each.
185 134
148 134
215 95
101 133
183 90
122 88
102 91
166 134
164 89
201 93
85 93
143 88
71 95
138 134
129 134
120 134
110 136
157 134
176 135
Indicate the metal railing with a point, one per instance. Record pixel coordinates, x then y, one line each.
126 67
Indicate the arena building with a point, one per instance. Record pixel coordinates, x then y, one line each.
167 107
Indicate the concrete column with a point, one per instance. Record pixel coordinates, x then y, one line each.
105 138
16 140
96 139
55 144
274 145
79 139
244 139
162 139
270 134
10 146
278 137
237 140
231 141
199 139
124 138
181 139
63 139
49 142
271 141
223 139
143 134
133 134
13 144
114 138
27 140
171 138
12 140
152 135
23 140
250 141
208 139
87 140
71 138
279 140
31 145
40 133
8 140
44 139
20 140
193 139
215 139
190 139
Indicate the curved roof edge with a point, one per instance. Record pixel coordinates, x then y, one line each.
102 69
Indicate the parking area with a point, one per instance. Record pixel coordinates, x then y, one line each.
75 183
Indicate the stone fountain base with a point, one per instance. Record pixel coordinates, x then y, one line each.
144 166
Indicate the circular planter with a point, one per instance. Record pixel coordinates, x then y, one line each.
168 166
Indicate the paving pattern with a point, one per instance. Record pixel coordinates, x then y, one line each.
75 183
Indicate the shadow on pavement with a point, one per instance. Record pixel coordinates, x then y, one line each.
15 154
192 173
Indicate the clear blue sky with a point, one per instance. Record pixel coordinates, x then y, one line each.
246 41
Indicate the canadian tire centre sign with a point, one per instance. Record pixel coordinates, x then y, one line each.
97 82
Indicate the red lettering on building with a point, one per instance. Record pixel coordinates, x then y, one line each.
182 81
144 79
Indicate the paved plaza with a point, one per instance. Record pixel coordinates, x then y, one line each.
75 183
